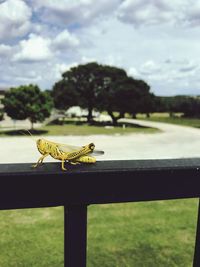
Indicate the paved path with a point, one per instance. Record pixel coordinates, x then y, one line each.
173 142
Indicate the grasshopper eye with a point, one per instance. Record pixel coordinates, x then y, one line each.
92 146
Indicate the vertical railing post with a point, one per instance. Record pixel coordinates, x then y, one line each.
196 261
75 244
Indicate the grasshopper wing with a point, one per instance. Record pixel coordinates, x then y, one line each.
97 153
70 148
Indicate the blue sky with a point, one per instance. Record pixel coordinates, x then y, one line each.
155 40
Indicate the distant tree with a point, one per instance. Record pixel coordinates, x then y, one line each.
169 104
190 106
28 102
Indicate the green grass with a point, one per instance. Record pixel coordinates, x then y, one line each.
84 129
92 130
146 234
192 122
32 237
143 234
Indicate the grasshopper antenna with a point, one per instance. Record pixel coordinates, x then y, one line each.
31 136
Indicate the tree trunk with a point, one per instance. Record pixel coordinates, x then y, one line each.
89 116
121 115
134 115
114 119
148 115
32 125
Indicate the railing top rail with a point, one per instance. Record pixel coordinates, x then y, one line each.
104 182
101 166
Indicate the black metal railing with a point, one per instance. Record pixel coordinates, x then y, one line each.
103 182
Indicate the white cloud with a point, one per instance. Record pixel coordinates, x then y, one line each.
181 68
132 71
68 12
149 67
188 66
162 48
171 76
153 12
191 14
60 68
5 50
15 18
85 59
140 12
27 80
65 40
36 48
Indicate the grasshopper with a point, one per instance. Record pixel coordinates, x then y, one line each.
73 154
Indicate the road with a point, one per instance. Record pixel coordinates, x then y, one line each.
173 142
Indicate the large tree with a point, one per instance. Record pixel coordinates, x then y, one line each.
83 84
64 95
85 80
146 99
28 102
124 94
102 87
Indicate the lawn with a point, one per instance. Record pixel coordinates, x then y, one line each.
192 122
71 129
146 234
83 129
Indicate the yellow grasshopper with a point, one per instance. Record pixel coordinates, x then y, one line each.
72 154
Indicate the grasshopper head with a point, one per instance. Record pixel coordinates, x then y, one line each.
40 145
85 150
39 142
89 148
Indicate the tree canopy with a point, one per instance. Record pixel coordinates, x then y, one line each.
28 102
86 80
102 87
125 95
64 95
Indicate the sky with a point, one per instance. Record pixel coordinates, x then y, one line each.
155 40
